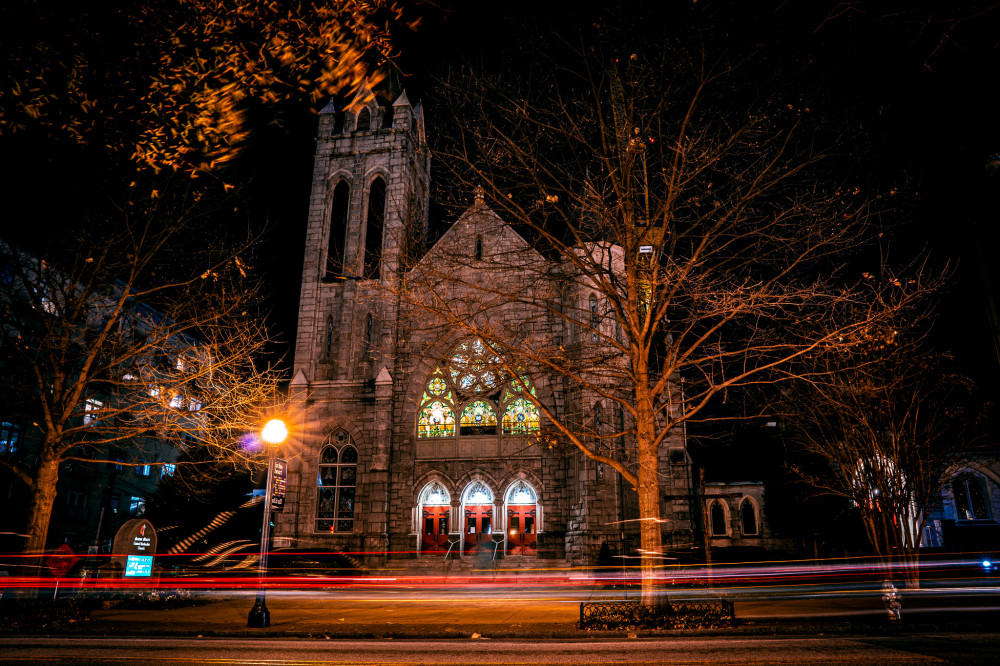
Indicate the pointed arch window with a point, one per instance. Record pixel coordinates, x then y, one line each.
373 229
473 387
336 484
364 120
479 248
748 517
338 230
717 518
521 493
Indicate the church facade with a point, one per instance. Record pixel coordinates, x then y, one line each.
413 441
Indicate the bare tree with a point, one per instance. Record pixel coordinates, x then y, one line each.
890 420
119 340
675 243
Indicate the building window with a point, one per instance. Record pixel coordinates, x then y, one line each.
91 409
748 517
328 346
717 518
595 319
338 230
113 504
118 463
176 401
338 465
479 248
970 497
194 405
10 435
76 505
167 469
373 229
137 506
369 334
142 470
475 374
364 120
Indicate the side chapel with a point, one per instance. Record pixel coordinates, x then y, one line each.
414 443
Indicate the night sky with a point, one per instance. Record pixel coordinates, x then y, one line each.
911 82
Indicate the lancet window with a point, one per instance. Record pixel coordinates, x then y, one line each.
473 386
336 484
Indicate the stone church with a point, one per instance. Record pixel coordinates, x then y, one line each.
414 443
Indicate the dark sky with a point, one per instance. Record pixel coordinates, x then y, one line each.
915 79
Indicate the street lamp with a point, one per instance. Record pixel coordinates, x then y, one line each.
273 433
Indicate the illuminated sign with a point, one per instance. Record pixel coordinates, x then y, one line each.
139 566
279 481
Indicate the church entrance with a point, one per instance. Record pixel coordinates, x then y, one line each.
522 537
478 529
477 509
435 532
435 509
522 519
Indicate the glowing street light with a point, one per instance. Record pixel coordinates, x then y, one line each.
273 433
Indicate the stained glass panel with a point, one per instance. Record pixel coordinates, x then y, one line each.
336 481
521 493
478 493
474 367
436 386
436 420
478 418
520 417
436 495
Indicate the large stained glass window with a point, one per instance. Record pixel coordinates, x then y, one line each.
478 418
520 417
474 372
336 484
436 420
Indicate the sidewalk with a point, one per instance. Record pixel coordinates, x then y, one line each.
320 616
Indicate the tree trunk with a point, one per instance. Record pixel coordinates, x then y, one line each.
40 514
650 530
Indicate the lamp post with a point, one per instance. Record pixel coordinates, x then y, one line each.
273 434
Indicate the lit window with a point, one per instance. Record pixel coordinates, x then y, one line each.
142 470
91 409
168 469
520 417
118 464
194 405
10 434
336 485
137 506
154 391
176 401
478 418
129 377
179 364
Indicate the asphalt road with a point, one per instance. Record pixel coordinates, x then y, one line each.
919 649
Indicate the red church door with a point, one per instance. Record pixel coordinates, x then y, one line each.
522 532
478 528
435 529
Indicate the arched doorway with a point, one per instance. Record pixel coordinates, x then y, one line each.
477 507
521 503
435 507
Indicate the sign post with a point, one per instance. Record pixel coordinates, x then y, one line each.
61 561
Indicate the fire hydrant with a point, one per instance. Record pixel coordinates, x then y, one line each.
892 600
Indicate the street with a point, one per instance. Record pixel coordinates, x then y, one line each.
918 649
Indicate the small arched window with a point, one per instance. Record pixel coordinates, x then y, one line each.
328 342
717 518
364 120
336 484
595 319
748 517
373 229
338 230
479 248
369 334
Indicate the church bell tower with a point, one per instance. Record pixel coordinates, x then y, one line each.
369 202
